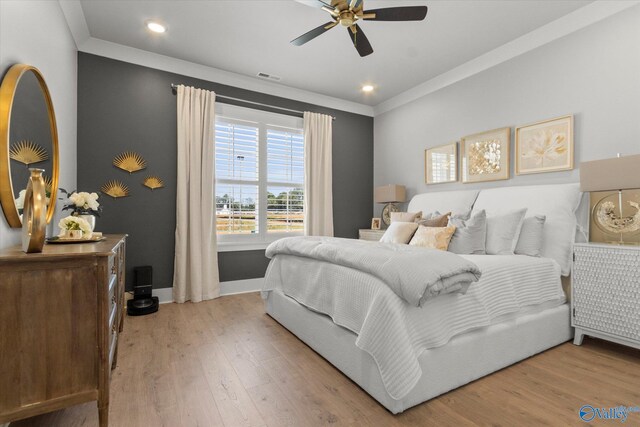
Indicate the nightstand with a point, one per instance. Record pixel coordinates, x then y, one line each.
372 235
605 288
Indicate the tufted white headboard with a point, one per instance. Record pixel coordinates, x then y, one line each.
567 217
456 202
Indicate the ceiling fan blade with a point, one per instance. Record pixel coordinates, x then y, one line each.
408 13
319 4
308 36
359 40
353 4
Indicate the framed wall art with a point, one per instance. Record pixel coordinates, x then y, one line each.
485 156
441 164
545 146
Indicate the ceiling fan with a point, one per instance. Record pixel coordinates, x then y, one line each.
348 12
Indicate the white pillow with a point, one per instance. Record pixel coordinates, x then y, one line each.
503 232
531 237
399 232
557 201
470 236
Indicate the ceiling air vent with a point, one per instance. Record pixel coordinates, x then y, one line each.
269 77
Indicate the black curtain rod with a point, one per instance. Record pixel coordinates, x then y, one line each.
223 98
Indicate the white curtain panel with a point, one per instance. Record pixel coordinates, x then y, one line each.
195 276
318 196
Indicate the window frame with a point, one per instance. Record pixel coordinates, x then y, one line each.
263 120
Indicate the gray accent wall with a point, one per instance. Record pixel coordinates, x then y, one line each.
593 74
127 107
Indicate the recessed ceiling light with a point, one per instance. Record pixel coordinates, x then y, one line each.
367 88
156 27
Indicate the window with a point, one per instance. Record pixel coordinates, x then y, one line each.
259 175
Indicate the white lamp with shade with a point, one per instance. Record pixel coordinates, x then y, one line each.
389 194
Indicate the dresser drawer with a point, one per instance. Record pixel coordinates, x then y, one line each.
113 345
371 235
606 290
112 295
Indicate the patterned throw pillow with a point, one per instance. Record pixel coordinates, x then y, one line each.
435 220
433 237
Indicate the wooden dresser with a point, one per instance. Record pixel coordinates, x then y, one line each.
60 315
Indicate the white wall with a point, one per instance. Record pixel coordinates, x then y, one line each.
593 73
36 33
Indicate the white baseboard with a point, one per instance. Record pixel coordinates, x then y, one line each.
241 286
165 295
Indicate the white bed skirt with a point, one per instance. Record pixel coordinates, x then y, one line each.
465 358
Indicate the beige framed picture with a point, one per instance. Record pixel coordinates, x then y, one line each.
485 156
441 164
545 146
375 223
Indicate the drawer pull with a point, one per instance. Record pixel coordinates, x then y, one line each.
113 299
114 269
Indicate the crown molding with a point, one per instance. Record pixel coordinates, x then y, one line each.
178 66
570 23
74 15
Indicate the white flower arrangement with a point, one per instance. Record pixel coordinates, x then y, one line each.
75 223
20 199
82 203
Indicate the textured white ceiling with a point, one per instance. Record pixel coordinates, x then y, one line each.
251 36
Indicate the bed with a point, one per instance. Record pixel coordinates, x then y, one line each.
515 310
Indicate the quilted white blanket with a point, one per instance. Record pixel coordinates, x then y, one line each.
415 274
394 332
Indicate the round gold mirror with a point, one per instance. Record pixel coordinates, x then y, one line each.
28 138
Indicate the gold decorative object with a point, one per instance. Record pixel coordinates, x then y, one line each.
615 217
34 217
9 95
153 182
28 152
48 183
115 189
614 186
130 161
485 156
441 164
545 146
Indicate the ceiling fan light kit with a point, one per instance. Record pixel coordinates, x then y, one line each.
348 12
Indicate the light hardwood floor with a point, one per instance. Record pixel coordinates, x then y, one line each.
226 363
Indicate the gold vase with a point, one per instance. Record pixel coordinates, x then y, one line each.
34 215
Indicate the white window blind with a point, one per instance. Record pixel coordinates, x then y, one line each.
237 176
285 176
259 175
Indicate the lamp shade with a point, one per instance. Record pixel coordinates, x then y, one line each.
390 194
619 173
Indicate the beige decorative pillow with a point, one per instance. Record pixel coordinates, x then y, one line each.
399 232
436 220
406 216
433 237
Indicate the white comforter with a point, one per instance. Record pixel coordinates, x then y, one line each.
396 333
415 274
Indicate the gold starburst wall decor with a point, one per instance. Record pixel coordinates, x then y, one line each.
28 152
115 189
130 161
153 182
48 184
